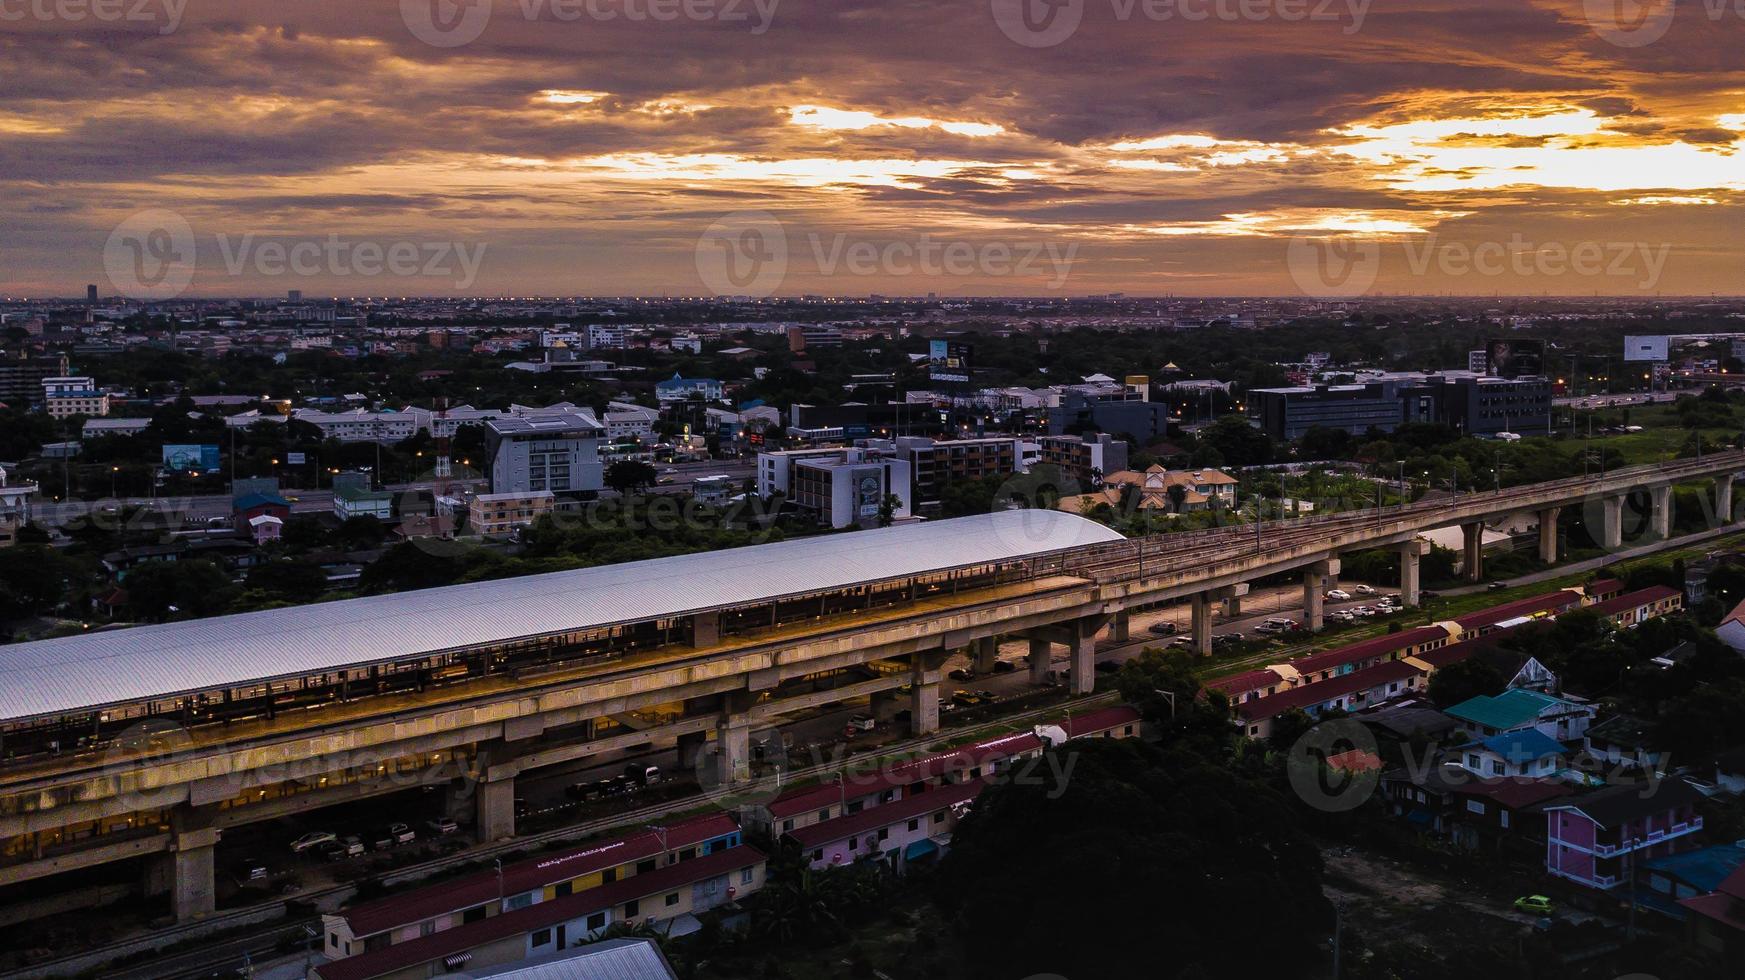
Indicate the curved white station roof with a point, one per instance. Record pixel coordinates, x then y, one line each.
49 676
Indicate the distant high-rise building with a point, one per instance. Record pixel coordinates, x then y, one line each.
91 293
294 296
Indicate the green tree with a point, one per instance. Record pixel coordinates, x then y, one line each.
159 590
628 476
1464 680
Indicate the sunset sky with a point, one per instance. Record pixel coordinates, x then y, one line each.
1132 153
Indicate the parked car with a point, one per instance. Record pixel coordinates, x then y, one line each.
441 825
1181 641
1537 904
1494 586
1161 629
962 674
1342 616
1388 600
1337 595
1277 625
1364 611
401 833
314 838
1004 666
966 699
251 872
1107 666
1364 590
339 850
863 723
643 774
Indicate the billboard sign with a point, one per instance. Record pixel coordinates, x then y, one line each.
296 459
948 360
869 491
1515 358
190 458
1645 348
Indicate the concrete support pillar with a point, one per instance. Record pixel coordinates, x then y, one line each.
1201 624
924 694
1661 499
1082 668
1233 607
496 809
1312 582
733 744
691 747
1472 552
1612 522
984 652
705 629
1041 651
193 893
1724 499
1121 627
1411 554
1548 535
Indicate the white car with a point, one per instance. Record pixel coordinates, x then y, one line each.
314 838
1337 595
1363 611
1342 616
1365 590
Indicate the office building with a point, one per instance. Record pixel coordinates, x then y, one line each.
1288 413
91 294
500 513
65 396
935 463
1481 406
557 453
21 378
841 486
1084 459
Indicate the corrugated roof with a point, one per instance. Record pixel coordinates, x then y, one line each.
46 677
614 959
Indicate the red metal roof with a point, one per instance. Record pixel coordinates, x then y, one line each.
1379 646
483 887
1254 680
874 817
1550 602
539 915
1101 720
1327 690
1632 600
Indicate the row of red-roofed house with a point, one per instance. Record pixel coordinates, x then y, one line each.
1392 665
667 876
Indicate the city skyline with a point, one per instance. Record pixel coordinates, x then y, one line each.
545 148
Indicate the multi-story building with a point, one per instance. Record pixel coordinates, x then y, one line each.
678 389
841 486
67 396
557 453
1472 404
803 336
606 335
1083 459
349 502
935 463
1592 839
15 512
21 378
626 421
1289 413
500 513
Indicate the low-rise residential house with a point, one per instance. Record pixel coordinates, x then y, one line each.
909 829
1365 653
1474 812
355 501
1527 753
500 513
1519 709
1345 692
1248 686
1546 606
1662 883
1622 740
1715 923
1590 838
1627 610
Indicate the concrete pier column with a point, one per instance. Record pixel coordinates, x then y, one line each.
691 746
924 694
1121 627
495 811
1612 522
1472 551
984 652
193 892
1233 607
1724 498
705 629
1411 555
1040 653
1661 499
1548 535
1201 624
1312 582
733 747
1082 667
